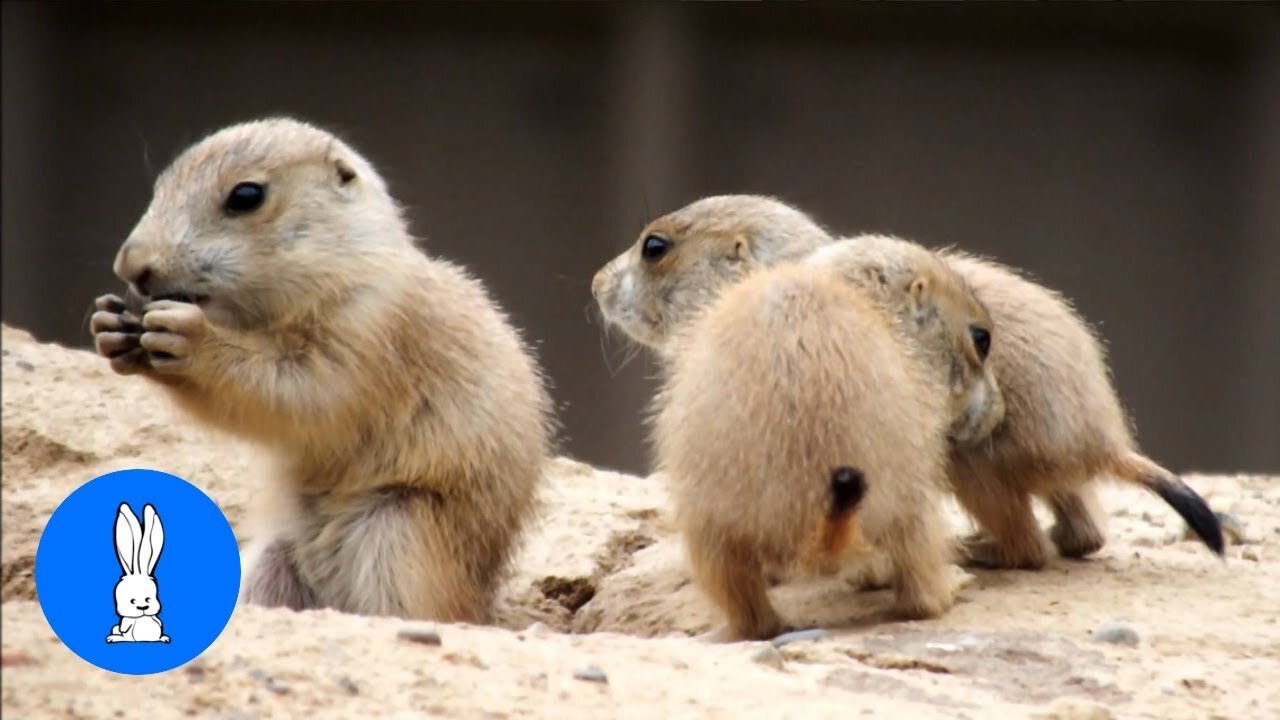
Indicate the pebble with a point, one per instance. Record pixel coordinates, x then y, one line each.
1232 529
346 683
26 365
800 636
420 635
591 673
276 687
1116 634
769 657
1251 554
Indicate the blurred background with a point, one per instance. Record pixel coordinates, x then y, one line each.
1127 155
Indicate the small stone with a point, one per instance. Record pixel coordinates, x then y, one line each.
591 673
1251 553
349 685
800 636
1116 634
26 365
420 635
1232 529
769 657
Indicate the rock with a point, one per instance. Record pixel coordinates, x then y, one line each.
1117 634
769 657
591 673
800 636
419 634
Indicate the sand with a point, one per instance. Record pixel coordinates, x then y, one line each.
597 620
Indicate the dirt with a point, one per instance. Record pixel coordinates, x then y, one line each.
600 617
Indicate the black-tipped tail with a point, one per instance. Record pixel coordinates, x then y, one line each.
848 486
1203 521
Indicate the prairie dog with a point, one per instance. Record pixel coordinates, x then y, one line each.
795 426
1063 426
939 313
682 259
288 304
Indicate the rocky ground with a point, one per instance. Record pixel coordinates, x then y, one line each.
598 618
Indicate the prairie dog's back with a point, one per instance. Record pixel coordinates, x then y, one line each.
1050 365
789 375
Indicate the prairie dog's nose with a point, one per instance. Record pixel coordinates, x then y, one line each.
131 267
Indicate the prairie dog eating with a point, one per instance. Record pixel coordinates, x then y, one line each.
287 303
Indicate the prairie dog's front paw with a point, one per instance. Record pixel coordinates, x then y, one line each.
171 332
116 335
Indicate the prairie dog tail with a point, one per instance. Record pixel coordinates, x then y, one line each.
1140 470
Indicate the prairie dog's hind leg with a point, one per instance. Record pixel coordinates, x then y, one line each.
405 551
1077 530
1011 537
271 578
734 579
919 550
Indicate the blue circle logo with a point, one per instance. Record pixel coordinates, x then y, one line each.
137 571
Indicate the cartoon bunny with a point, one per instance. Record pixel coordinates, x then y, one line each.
137 597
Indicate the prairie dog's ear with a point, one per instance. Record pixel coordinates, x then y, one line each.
918 290
919 297
152 540
128 532
741 249
343 170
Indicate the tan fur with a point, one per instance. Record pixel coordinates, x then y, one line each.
939 313
716 240
788 375
1061 424
719 240
409 419
1064 426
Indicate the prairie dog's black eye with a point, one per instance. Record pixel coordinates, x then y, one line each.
245 198
981 340
654 248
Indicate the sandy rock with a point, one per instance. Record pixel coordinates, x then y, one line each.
601 582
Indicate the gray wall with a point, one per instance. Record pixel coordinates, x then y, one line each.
1126 155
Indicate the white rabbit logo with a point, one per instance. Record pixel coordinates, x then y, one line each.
137 597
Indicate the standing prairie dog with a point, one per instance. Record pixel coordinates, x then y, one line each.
288 304
1063 427
794 426
684 260
1063 424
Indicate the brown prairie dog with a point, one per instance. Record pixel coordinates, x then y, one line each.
289 305
795 426
1063 427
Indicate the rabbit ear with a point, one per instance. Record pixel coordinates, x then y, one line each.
127 535
152 540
